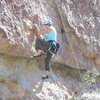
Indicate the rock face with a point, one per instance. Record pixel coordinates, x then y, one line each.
20 79
77 23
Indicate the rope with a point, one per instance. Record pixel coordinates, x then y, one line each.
71 48
75 58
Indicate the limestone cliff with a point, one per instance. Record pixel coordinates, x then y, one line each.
77 23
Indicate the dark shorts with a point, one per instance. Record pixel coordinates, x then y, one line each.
42 44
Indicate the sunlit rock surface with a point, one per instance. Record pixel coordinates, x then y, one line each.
78 26
77 23
20 79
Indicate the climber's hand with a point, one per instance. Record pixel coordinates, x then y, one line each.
35 27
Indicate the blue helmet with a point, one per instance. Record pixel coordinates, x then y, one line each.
49 22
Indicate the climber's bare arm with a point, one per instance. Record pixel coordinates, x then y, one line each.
37 30
47 30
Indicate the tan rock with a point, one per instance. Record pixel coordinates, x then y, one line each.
15 28
15 89
89 52
75 20
16 98
90 55
97 61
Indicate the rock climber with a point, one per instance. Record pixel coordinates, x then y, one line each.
42 46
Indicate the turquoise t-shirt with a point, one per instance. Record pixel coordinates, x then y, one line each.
52 35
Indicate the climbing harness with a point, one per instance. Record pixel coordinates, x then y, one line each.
53 47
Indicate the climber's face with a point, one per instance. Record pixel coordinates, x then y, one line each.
46 26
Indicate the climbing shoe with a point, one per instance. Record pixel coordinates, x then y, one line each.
37 55
45 77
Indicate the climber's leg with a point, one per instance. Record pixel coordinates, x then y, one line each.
41 46
47 61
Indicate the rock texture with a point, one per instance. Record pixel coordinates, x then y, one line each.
20 79
77 23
